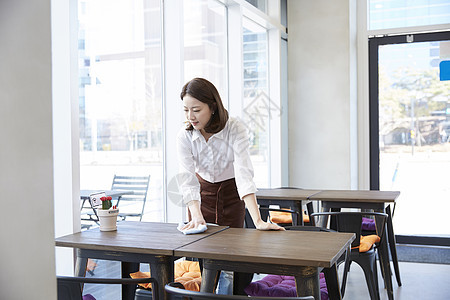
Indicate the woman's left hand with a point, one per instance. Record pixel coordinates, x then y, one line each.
268 226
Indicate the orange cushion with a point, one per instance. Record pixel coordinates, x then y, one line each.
281 217
186 272
140 274
366 242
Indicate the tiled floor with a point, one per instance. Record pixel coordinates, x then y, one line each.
420 281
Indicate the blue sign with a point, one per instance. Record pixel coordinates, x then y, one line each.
444 70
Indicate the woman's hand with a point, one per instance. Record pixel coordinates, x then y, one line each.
253 209
196 215
261 225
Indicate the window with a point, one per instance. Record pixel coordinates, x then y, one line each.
121 86
256 103
384 14
120 95
205 43
259 4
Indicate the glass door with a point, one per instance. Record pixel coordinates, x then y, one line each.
410 129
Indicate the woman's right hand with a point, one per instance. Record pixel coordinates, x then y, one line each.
196 215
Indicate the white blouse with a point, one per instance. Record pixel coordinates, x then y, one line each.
225 155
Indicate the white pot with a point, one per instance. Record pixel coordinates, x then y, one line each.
108 219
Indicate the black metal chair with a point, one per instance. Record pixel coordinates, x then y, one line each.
351 222
131 205
70 288
177 291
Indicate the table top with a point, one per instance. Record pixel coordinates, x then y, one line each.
135 237
356 196
285 194
290 247
84 194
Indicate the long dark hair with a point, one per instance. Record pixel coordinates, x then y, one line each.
204 91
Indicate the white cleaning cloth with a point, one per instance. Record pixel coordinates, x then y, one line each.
201 228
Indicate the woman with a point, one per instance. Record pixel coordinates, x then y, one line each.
217 174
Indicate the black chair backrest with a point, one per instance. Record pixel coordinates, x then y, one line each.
70 288
309 228
352 221
179 292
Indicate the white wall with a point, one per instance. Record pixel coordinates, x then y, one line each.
322 94
27 253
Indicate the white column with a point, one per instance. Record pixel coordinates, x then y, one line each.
235 67
275 108
363 98
322 93
65 127
173 117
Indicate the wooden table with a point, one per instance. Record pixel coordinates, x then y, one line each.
364 199
134 243
286 198
302 254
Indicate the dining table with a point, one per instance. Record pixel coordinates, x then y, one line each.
302 254
379 201
292 198
133 243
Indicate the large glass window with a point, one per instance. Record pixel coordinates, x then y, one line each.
384 14
414 130
205 42
256 102
120 86
120 95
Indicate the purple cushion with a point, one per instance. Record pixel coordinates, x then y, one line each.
368 224
88 297
280 286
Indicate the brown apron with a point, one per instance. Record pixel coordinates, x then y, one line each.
221 204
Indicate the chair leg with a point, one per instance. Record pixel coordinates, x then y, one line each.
383 255
369 275
375 272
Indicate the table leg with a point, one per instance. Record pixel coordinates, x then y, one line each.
210 278
392 244
128 291
162 269
240 282
307 282
331 277
80 265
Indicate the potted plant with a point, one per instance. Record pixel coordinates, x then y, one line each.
107 215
